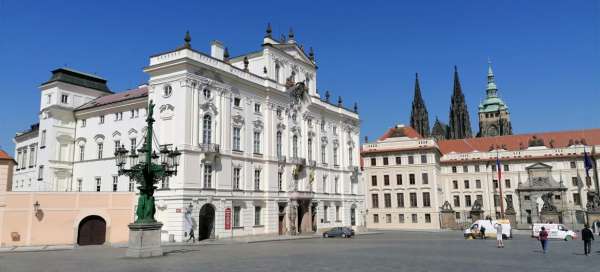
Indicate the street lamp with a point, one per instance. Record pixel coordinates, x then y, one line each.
146 169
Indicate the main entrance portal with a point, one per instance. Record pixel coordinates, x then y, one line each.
206 223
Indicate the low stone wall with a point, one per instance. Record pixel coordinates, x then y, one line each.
55 221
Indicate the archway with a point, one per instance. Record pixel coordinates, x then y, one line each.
206 222
91 231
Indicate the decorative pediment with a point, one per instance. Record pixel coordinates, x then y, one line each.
280 126
99 138
237 120
209 107
81 141
116 135
132 133
258 125
296 130
538 165
166 111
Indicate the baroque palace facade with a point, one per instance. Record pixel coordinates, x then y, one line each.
262 150
409 178
414 177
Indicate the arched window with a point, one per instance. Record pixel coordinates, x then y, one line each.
279 145
206 129
295 146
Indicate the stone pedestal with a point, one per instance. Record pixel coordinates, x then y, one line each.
476 215
144 240
550 217
448 220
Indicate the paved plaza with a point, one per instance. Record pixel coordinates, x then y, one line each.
388 251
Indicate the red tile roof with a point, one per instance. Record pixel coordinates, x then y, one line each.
400 131
114 98
4 155
515 142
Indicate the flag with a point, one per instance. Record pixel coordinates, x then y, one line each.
587 163
498 167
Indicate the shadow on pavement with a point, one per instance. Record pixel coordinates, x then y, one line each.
179 251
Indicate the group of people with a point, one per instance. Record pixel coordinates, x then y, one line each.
586 235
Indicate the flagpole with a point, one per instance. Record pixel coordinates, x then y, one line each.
500 184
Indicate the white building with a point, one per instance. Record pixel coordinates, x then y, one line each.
409 178
261 149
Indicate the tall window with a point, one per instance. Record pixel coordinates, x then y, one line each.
467 184
295 146
478 184
236 178
64 99
206 93
426 200
411 159
256 108
350 156
373 180
133 144
324 184
101 119
577 199
398 179
455 184
237 102
385 161
456 201
208 176
236 216
335 155
400 200
83 122
115 183
81 152
324 154
257 142
411 179
309 149
206 129
413 199
257 179
386 180
425 178
414 218
387 200
236 138
398 160
337 213
325 219
468 201
117 144
279 144
477 168
257 211
98 184
100 150
507 183
423 158
375 201
277 71
280 181
43 139
465 169
336 185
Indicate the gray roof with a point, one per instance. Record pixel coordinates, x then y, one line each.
78 78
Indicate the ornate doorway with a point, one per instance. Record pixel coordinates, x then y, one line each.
206 222
91 231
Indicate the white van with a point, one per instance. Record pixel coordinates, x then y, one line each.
474 229
555 231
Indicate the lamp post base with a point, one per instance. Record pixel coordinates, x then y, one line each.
144 240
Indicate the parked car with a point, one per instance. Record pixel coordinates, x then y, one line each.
555 231
473 231
343 232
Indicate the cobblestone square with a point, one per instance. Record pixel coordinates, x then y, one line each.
389 251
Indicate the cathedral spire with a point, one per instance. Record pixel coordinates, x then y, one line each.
491 90
459 122
419 117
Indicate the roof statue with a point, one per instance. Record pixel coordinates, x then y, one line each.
269 31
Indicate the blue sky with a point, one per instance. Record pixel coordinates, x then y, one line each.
545 53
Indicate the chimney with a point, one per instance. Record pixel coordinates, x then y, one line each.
217 49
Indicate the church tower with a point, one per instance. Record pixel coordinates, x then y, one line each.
494 118
419 118
459 123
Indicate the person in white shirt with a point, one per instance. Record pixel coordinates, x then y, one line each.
499 241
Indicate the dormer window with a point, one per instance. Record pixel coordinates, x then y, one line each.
206 93
64 99
49 99
167 91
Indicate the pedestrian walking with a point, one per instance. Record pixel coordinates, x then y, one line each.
499 241
587 236
482 231
543 237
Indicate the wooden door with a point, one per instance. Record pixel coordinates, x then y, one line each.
92 231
